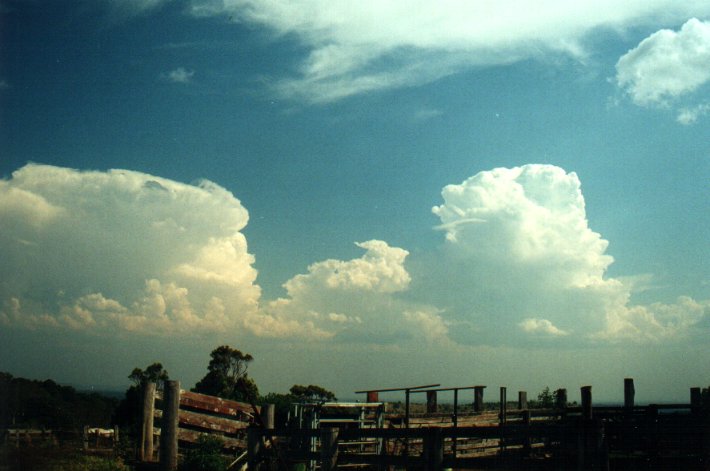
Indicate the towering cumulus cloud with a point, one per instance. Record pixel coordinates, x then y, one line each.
520 262
122 250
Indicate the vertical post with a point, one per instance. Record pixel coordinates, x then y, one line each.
431 406
503 404
586 402
115 436
406 408
561 398
372 396
522 400
526 421
629 393
478 398
268 412
169 426
86 437
146 451
433 449
455 419
329 448
696 400
253 448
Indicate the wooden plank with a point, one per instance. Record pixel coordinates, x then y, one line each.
211 423
215 404
192 436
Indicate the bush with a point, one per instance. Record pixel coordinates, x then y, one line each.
206 456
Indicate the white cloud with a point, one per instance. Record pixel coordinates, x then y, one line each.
122 250
667 65
354 299
179 75
373 45
541 326
520 256
690 115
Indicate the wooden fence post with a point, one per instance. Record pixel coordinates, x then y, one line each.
329 448
268 412
433 449
146 450
372 396
696 400
478 398
169 426
503 404
561 398
522 400
254 439
629 393
86 437
431 405
586 402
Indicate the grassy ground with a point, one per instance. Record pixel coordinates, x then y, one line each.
55 458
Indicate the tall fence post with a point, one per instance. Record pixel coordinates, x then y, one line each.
561 398
502 415
329 448
696 400
478 398
586 392
629 393
433 449
254 439
431 405
169 426
522 400
146 450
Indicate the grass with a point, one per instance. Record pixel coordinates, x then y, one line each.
55 458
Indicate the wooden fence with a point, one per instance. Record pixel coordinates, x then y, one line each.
668 436
183 416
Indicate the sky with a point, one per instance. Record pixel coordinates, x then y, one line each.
361 195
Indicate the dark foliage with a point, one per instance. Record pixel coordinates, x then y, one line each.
129 412
46 404
311 393
206 456
227 376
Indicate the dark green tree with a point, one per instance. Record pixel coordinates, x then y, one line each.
545 400
311 393
227 376
129 411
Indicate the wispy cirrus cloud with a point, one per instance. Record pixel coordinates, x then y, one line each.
379 45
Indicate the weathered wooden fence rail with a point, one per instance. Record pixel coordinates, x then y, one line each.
183 416
660 436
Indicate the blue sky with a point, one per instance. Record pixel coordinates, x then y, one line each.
405 192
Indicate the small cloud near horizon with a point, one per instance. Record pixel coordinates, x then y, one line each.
179 75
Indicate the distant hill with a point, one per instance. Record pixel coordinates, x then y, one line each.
46 404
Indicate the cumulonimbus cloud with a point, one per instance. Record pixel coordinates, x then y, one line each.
123 251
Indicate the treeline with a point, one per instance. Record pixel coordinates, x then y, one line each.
45 404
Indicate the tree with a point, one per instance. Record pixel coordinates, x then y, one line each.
311 393
227 376
153 373
130 409
545 399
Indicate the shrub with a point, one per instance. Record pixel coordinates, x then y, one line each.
206 456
